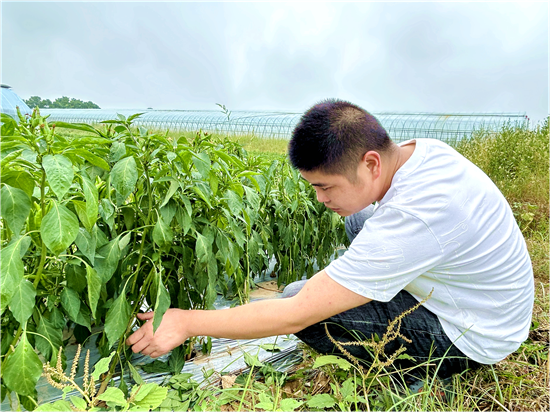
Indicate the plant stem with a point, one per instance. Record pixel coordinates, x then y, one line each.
44 250
147 219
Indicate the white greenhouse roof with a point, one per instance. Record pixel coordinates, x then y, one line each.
10 100
449 127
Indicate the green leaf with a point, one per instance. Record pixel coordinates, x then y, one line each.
118 151
177 359
174 186
266 402
79 126
162 233
202 248
86 243
135 374
12 271
15 207
60 174
80 207
113 397
49 338
94 288
153 398
57 406
23 368
102 366
70 300
289 404
252 360
162 304
234 202
79 403
321 401
76 277
92 203
106 260
83 317
117 318
19 179
202 163
252 198
23 301
90 157
59 228
271 347
332 360
124 176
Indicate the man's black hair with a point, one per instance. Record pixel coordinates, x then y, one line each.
333 136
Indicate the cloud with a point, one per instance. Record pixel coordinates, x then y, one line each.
481 57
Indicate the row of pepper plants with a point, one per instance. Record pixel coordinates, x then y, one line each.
99 226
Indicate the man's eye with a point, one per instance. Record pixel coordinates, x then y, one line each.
324 189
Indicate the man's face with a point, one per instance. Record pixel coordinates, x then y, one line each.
338 193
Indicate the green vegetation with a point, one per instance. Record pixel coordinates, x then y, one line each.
97 227
60 103
516 159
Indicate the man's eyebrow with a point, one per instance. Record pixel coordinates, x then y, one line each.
314 184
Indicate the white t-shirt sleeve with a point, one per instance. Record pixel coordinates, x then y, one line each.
393 248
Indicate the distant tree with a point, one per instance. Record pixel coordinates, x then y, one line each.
60 103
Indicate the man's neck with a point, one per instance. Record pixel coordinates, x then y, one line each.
394 159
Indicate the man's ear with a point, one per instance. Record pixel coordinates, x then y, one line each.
373 162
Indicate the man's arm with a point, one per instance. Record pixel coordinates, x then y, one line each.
319 299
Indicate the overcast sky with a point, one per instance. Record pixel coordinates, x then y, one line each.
399 56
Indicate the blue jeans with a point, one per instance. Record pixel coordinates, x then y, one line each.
430 345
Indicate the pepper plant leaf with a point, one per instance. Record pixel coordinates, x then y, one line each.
49 338
124 176
60 173
92 203
23 368
59 228
86 243
106 260
12 271
117 318
15 207
94 288
162 233
162 302
70 300
23 301
19 179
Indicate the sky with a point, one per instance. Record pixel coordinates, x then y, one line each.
286 56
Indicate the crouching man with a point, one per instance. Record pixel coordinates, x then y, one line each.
422 219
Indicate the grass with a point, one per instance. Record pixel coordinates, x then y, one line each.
517 160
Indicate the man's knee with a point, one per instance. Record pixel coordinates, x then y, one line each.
355 222
293 288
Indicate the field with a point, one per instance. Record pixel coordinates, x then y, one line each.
163 200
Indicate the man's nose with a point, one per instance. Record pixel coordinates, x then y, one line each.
321 196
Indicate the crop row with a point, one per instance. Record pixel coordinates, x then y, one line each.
96 227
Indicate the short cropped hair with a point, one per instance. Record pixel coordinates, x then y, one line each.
332 137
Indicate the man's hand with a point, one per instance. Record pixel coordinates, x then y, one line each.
170 334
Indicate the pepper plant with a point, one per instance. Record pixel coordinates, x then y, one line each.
96 228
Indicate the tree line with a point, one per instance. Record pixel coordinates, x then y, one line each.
60 103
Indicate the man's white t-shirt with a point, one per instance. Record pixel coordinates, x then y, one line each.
444 225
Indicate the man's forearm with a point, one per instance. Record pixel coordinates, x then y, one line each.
255 320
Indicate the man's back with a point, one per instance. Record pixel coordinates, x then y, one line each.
444 225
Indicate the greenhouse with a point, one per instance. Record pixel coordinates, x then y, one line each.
10 100
448 127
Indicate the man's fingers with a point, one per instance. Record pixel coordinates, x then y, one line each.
146 315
